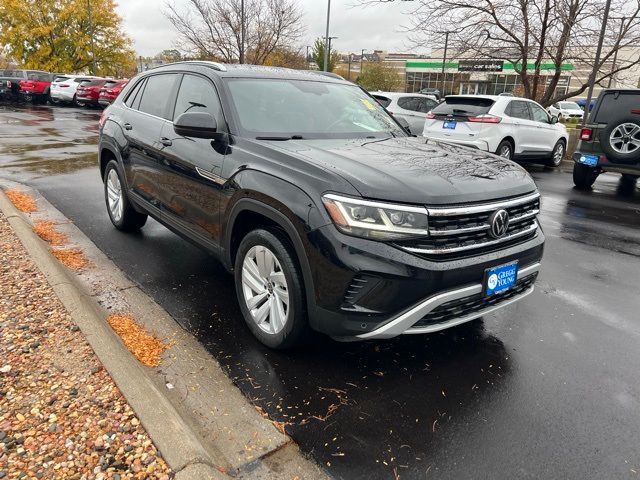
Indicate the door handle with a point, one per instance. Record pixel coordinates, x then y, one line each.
128 126
166 142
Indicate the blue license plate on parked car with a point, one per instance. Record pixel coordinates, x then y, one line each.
591 160
499 279
450 124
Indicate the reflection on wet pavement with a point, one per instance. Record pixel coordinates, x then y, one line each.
59 140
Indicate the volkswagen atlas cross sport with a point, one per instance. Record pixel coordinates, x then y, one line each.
329 215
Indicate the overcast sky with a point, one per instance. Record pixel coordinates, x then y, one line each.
374 27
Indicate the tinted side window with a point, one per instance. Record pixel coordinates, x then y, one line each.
426 105
538 113
384 101
155 98
133 99
196 94
518 109
410 103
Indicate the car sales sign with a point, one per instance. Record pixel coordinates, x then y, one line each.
480 66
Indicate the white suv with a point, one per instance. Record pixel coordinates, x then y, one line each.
514 128
413 107
63 89
566 110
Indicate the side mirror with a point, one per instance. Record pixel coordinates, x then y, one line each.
196 125
554 120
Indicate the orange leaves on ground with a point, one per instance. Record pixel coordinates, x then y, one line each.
46 230
71 257
22 201
146 347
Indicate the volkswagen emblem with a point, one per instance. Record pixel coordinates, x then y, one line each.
498 223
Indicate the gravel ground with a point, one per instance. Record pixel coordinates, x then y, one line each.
61 415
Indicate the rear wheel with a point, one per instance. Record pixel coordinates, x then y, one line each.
270 289
122 214
584 176
505 150
76 102
558 154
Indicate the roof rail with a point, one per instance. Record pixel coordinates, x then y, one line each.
220 67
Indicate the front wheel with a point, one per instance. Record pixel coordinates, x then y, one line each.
584 176
270 289
121 212
557 155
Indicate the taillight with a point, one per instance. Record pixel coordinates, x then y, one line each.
635 111
63 85
586 134
431 116
486 118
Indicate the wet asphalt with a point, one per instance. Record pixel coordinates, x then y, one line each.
548 388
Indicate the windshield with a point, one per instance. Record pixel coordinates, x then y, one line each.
283 108
570 106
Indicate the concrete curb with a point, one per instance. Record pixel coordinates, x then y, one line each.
199 433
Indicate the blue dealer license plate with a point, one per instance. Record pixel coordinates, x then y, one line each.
500 279
450 124
591 160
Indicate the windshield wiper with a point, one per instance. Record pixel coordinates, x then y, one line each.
281 139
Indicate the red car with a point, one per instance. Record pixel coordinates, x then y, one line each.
88 91
110 91
36 87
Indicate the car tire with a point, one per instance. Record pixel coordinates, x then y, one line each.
54 101
557 155
270 289
584 176
612 140
76 103
505 150
627 185
122 214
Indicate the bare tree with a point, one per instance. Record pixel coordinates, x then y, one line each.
212 28
530 33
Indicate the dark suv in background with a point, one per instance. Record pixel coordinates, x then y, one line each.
329 215
610 142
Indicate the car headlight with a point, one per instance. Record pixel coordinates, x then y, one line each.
376 220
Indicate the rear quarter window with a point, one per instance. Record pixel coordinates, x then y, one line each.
465 106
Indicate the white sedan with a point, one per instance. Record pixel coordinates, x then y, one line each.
566 110
514 128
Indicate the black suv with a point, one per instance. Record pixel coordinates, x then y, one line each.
610 142
329 215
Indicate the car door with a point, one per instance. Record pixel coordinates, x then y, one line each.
146 112
192 186
545 135
524 129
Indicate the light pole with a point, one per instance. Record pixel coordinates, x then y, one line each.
594 71
327 40
242 32
615 53
444 58
361 59
308 47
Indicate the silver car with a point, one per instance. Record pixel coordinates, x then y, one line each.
412 107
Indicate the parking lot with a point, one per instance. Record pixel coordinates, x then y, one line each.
546 388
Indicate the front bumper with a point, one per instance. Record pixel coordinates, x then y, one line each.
365 289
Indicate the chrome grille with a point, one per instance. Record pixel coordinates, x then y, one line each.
455 231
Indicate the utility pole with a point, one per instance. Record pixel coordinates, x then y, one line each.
327 40
361 59
91 32
349 71
308 47
242 32
444 60
594 71
615 54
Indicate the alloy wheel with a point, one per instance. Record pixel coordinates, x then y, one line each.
558 154
625 138
505 152
114 195
265 289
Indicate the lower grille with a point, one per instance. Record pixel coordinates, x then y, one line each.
472 304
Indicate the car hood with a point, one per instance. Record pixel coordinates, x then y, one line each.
414 170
